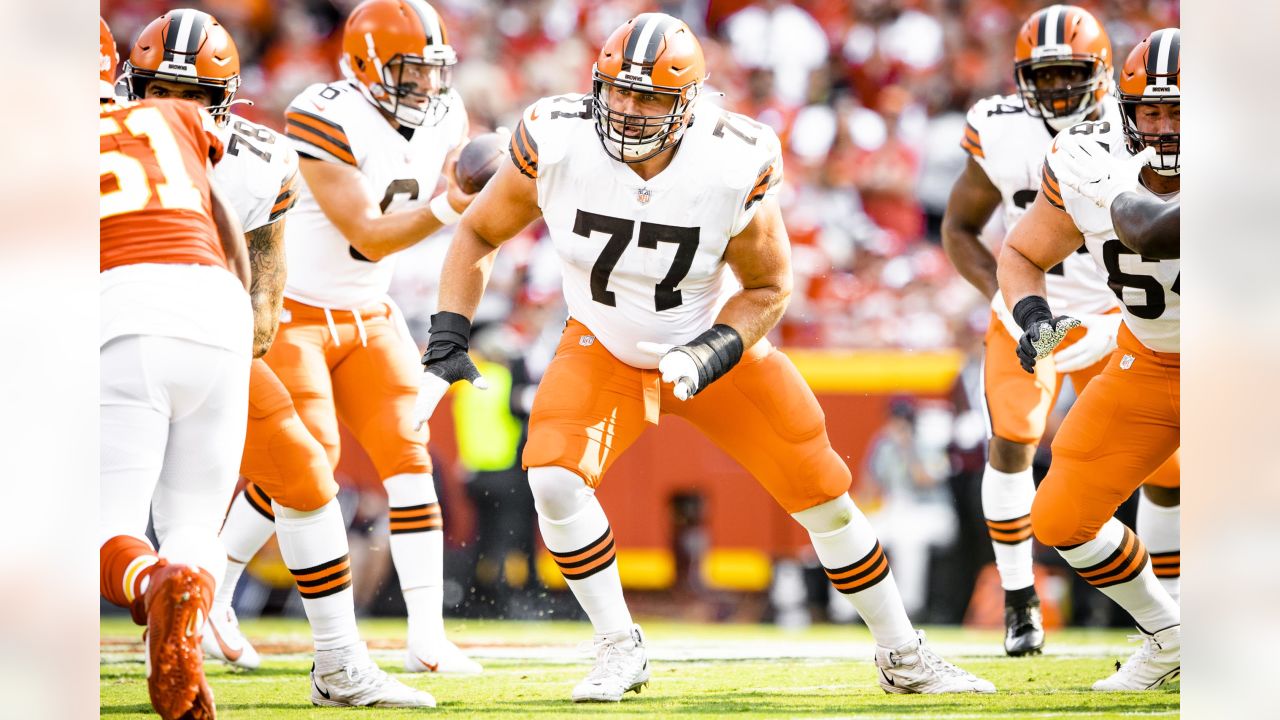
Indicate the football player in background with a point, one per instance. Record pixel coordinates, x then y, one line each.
258 174
176 337
648 218
1126 422
1063 69
372 148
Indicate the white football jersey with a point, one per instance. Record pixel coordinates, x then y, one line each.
644 259
335 123
258 172
1009 145
1148 289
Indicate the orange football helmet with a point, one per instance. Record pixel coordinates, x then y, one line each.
187 46
109 60
652 56
1062 65
1151 76
397 52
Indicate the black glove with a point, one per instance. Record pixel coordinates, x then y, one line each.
446 356
1041 331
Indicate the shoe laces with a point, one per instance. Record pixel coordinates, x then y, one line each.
1140 656
609 659
934 662
365 674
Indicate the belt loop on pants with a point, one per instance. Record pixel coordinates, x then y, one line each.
651 380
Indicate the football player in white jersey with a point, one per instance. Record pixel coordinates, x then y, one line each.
372 148
653 195
1126 422
187 54
1063 69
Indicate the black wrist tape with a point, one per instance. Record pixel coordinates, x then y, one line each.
449 330
1032 310
716 351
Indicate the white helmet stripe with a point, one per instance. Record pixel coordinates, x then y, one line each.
1052 24
644 35
186 20
1162 56
430 21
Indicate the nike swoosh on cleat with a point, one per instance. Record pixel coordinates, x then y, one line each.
429 666
886 677
322 692
227 652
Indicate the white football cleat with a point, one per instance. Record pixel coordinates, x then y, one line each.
1158 661
914 668
621 667
442 657
347 677
222 640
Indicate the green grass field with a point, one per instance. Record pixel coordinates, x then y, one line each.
699 671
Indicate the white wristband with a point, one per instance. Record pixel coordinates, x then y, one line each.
443 211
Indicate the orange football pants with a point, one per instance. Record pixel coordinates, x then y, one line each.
1123 427
1019 403
363 372
280 454
591 407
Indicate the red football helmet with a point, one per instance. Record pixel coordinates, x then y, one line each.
109 60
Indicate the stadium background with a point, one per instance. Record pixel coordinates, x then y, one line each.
868 97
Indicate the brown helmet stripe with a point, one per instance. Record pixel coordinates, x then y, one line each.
183 37
646 39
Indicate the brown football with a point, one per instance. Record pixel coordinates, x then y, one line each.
480 159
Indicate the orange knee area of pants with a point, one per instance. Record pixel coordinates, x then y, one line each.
388 437
289 465
1017 401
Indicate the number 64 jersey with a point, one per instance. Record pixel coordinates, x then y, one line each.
1148 290
644 259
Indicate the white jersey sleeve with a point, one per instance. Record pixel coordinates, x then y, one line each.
258 172
316 122
1148 290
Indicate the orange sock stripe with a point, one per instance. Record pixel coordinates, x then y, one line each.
1123 565
409 526
315 591
594 548
857 568
259 501
1014 537
414 511
322 570
1017 523
124 562
875 572
1166 558
1168 572
590 566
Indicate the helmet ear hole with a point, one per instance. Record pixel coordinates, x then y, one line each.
360 63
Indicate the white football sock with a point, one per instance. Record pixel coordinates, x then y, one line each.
1161 531
1006 504
582 545
249 524
1116 563
417 549
314 547
856 565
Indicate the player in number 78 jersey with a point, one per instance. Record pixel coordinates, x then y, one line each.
662 207
1126 422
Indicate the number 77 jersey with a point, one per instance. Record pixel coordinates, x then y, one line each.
1148 290
644 259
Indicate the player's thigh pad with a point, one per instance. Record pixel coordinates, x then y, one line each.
588 410
763 414
280 456
375 387
1017 402
297 358
1116 435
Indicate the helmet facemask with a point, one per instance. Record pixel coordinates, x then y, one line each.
222 92
1167 145
632 137
1062 104
413 89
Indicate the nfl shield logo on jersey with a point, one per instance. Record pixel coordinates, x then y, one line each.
643 195
1126 362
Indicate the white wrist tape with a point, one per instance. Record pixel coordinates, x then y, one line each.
443 211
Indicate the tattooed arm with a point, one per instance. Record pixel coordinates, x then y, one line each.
266 259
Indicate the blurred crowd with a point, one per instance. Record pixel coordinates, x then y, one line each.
868 97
